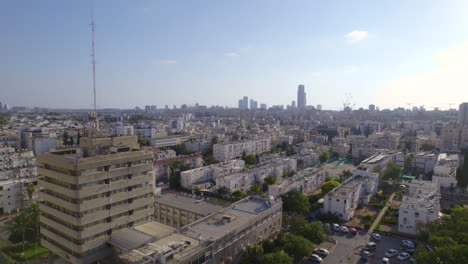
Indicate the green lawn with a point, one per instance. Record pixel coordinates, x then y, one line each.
31 250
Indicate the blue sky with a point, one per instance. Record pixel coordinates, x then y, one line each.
213 52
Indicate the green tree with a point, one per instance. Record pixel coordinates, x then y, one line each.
448 236
313 232
462 172
25 226
297 247
344 175
408 166
328 186
392 172
296 202
175 168
297 223
250 159
237 194
324 156
143 142
252 254
278 257
30 188
255 188
223 190
270 179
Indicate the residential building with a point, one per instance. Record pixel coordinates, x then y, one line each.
180 209
445 170
420 205
345 198
90 192
205 176
37 139
306 181
17 171
424 161
120 129
226 151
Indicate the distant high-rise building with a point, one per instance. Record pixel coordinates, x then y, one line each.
244 103
463 114
293 104
319 107
153 108
166 107
147 108
253 104
263 106
372 108
301 97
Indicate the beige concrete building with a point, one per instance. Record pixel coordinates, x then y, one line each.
180 209
91 191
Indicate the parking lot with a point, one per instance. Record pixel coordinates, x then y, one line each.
349 248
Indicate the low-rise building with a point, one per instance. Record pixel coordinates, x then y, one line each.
345 198
218 238
226 151
420 205
306 181
204 176
445 170
180 209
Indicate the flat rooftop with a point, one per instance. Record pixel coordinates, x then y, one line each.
188 203
229 219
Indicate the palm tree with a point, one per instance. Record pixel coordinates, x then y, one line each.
31 188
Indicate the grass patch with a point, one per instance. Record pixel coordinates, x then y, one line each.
218 201
31 250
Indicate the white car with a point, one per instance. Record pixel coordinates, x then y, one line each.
403 256
385 261
336 227
391 253
344 229
321 252
376 236
315 258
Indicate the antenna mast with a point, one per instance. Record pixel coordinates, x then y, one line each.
93 120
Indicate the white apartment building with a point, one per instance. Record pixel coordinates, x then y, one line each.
17 170
445 170
122 130
420 205
204 176
306 181
226 151
423 160
345 198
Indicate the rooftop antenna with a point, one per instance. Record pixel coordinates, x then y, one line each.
94 125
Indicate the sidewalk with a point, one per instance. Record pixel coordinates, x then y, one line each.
381 214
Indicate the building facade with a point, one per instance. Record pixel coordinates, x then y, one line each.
226 151
91 191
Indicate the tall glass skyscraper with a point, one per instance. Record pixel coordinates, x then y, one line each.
301 97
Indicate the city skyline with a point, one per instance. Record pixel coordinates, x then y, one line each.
146 56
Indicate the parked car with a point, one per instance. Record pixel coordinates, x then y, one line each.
365 256
385 261
344 229
403 256
321 252
371 246
391 253
408 243
315 258
336 227
376 236
353 231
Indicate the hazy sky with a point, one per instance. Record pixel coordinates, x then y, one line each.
213 52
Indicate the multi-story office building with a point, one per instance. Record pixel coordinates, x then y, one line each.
225 151
91 191
220 237
180 209
301 97
420 205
